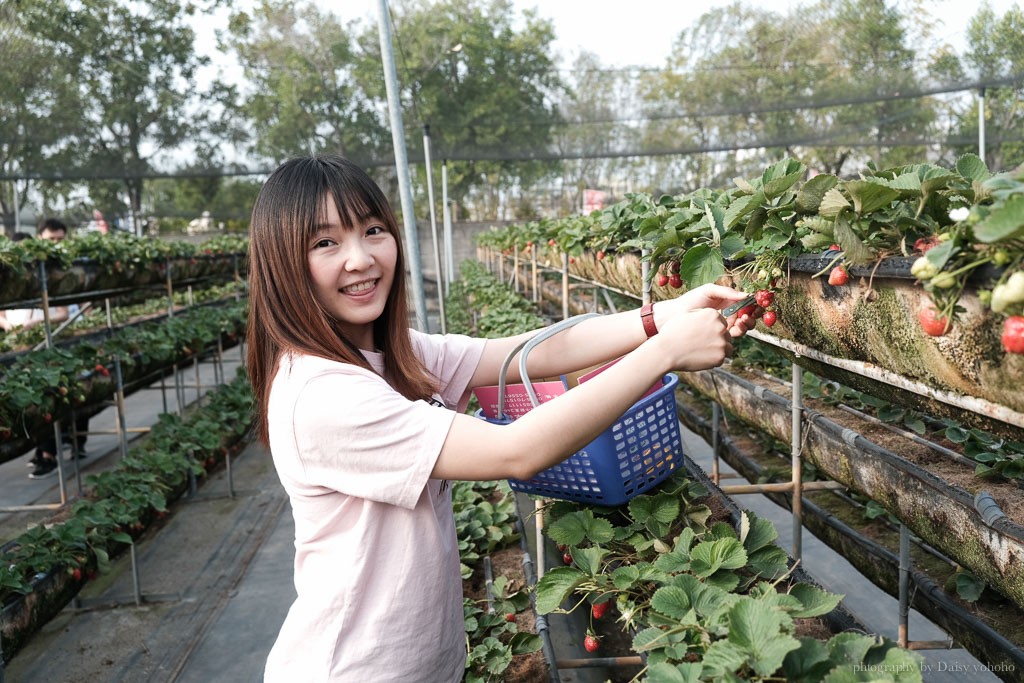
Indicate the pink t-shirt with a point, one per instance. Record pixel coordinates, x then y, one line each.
376 556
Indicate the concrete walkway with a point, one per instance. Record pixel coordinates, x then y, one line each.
212 583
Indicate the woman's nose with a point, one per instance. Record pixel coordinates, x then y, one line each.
358 257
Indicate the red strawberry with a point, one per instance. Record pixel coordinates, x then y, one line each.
932 323
769 318
600 609
674 281
600 255
1013 334
567 558
551 242
838 276
510 617
48 417
834 247
591 643
764 297
662 279
747 310
572 259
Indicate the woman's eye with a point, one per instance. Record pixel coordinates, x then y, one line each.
319 244
375 230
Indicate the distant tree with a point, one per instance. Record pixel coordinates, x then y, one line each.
491 99
995 51
750 85
134 66
40 106
300 94
593 108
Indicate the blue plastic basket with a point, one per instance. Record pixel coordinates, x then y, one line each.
639 451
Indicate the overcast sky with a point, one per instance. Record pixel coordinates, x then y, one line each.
641 32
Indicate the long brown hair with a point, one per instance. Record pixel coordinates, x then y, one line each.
284 315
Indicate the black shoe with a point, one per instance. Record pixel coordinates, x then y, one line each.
33 461
45 468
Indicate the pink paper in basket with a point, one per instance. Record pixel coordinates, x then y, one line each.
517 401
594 373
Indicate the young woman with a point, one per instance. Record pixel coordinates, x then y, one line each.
365 419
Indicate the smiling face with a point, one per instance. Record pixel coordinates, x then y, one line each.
352 270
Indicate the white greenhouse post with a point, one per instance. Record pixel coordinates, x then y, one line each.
402 165
433 227
446 216
17 215
981 123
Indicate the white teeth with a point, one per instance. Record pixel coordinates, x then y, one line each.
361 287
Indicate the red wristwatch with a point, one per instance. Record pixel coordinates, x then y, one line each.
647 316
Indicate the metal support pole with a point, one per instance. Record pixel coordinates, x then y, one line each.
782 487
904 586
535 293
230 475
538 520
75 451
163 389
136 583
565 285
446 216
981 123
515 268
402 164
716 418
170 289
46 305
121 421
433 227
645 272
199 384
797 465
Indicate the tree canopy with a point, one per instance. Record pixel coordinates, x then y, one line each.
106 108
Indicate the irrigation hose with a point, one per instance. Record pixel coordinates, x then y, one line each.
925 588
540 619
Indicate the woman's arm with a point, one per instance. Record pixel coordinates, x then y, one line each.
478 450
601 339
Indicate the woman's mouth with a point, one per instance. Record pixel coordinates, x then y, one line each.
359 288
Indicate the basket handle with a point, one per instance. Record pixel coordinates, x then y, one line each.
526 347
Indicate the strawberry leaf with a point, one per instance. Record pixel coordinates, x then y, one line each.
555 587
814 600
1003 223
811 194
701 264
707 557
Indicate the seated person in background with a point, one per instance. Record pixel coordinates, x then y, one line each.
44 460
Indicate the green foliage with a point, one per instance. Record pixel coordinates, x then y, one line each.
705 602
120 502
479 305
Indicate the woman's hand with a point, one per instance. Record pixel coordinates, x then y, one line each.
709 296
695 340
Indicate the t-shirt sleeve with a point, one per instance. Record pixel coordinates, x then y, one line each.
452 359
356 435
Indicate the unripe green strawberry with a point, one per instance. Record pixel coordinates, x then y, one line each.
1015 288
924 269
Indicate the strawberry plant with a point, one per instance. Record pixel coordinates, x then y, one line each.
119 500
705 600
